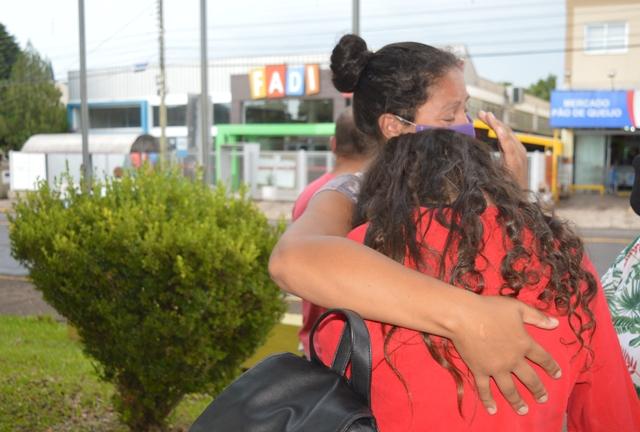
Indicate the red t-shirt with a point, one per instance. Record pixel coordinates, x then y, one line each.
599 398
310 312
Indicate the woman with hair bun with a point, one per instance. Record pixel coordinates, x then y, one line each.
403 88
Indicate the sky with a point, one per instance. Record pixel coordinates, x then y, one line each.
518 41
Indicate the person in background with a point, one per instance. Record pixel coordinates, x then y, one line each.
621 284
352 153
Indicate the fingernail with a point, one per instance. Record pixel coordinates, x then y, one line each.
492 410
543 398
558 374
553 321
523 410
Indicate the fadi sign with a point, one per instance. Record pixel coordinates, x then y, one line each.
277 81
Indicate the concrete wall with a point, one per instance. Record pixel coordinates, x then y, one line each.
140 82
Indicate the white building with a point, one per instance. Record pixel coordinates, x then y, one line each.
126 99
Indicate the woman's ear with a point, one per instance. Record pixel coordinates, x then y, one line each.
390 126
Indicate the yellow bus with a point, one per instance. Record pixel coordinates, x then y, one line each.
551 146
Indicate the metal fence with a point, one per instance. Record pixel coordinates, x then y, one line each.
272 175
282 175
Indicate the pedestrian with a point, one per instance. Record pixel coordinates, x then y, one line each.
622 285
399 89
352 152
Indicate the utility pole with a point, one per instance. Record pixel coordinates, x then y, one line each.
84 108
163 90
205 128
355 17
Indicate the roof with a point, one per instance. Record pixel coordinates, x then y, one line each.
72 143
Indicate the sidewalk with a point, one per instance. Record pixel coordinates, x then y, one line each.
583 210
595 211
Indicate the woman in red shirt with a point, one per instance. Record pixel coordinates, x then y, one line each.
439 202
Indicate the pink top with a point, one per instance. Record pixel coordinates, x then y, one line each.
310 312
303 199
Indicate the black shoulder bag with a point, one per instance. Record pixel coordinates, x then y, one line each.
287 393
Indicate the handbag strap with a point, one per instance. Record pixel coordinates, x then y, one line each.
354 347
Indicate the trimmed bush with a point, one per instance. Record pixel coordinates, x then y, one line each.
165 280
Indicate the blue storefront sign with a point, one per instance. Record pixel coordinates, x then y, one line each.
595 109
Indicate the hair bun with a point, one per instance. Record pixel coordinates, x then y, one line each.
348 60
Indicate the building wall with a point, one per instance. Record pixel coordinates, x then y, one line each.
140 81
591 71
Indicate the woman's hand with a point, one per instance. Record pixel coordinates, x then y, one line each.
515 154
494 344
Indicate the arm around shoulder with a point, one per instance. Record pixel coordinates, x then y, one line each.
295 259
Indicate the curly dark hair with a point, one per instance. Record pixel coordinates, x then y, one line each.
395 79
451 178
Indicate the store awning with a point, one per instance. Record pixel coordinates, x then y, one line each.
72 143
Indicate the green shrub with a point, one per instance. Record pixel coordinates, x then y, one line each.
165 280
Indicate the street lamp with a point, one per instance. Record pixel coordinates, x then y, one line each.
612 75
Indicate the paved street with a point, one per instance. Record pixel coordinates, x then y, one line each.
8 266
604 245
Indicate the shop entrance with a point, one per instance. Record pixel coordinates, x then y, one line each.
622 150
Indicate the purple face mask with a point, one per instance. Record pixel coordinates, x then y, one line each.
464 128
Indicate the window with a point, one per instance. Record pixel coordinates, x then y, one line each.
605 38
590 153
221 113
114 117
289 111
176 115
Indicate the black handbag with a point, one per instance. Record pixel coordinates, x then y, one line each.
288 393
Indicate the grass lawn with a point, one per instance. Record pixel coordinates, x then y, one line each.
48 384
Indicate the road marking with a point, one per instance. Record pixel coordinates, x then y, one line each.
622 241
15 278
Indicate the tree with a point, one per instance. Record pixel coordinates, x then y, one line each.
543 87
164 279
30 101
9 51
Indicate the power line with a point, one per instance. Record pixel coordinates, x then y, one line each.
262 39
333 19
120 29
124 70
386 16
534 52
219 41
